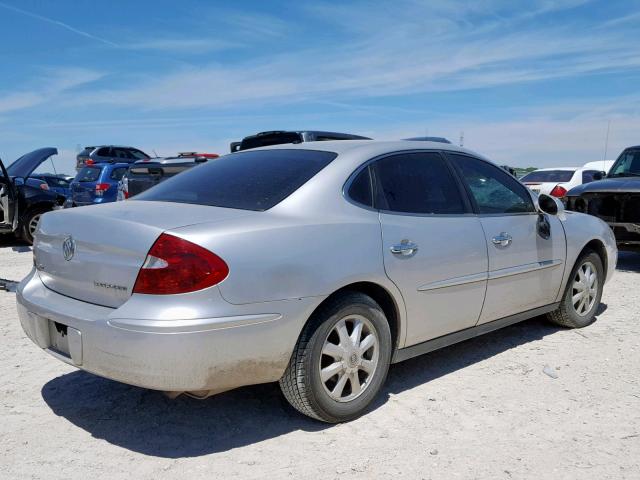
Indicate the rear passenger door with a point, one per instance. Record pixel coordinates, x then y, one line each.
434 249
527 250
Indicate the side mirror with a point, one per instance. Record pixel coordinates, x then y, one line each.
598 176
550 205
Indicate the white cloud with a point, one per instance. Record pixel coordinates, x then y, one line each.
404 49
540 141
182 45
50 85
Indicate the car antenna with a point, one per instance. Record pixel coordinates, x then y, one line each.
606 146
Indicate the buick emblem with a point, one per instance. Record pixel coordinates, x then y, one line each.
68 248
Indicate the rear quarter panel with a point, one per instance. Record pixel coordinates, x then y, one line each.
278 257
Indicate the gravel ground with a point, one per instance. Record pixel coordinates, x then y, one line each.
481 409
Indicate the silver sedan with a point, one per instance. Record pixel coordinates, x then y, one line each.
315 265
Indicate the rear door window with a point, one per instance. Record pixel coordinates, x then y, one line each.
121 153
88 174
419 183
87 151
553 176
57 182
246 180
587 175
137 154
117 173
103 152
361 189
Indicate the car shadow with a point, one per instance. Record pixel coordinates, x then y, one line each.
148 422
15 243
628 262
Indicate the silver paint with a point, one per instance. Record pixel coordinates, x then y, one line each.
283 263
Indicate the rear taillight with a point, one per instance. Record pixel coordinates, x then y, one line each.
101 188
558 191
44 186
174 265
125 187
88 161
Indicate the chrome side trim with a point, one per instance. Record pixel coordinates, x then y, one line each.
455 281
444 341
195 325
526 268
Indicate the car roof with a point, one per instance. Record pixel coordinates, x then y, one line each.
547 169
108 164
116 146
170 161
369 147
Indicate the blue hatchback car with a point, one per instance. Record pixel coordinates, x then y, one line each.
95 184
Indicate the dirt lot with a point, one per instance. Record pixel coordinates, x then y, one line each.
481 409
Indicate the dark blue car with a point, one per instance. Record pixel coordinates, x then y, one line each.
95 184
56 183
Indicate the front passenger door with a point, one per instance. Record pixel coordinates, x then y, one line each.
527 250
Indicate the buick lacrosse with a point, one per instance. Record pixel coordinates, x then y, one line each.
314 265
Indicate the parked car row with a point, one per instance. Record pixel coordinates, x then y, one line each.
615 199
558 181
108 173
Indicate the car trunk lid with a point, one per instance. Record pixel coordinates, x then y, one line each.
94 253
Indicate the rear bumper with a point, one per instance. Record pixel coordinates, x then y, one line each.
215 354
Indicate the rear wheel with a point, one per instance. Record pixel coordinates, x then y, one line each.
583 293
341 360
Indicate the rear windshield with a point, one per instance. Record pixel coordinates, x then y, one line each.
88 174
542 176
86 152
274 139
57 182
247 180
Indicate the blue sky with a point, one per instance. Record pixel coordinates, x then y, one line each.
532 84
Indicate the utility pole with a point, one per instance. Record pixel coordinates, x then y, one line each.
462 138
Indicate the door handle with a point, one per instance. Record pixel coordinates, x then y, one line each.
502 240
405 248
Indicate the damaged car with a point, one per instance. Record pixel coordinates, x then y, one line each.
615 199
22 199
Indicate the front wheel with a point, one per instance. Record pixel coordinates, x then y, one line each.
30 225
582 295
341 360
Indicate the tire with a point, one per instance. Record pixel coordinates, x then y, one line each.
363 363
27 228
572 314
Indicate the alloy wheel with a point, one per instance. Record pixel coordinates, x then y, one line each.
585 288
349 359
33 224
